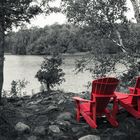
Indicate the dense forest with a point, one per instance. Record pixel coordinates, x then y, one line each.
59 38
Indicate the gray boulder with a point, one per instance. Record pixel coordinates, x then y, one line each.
21 127
90 137
66 116
40 130
32 138
54 129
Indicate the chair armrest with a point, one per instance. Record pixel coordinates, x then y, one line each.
138 89
121 95
82 100
101 95
136 95
131 89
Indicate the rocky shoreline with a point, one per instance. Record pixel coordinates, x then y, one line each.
51 116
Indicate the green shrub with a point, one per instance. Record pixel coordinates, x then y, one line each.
17 86
50 72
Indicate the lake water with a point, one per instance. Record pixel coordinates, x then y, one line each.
25 67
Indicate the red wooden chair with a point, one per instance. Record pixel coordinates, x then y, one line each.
102 91
131 102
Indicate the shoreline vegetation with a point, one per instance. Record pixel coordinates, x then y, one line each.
63 54
51 116
55 38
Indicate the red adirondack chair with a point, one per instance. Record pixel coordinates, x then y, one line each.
131 101
102 91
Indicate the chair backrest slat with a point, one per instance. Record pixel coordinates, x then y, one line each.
137 85
132 98
103 86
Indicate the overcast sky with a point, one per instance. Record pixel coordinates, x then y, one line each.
42 20
60 18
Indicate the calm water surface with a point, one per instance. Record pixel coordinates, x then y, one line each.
20 67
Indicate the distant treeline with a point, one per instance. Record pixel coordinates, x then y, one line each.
59 38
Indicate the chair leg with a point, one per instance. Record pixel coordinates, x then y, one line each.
78 111
115 108
138 103
131 110
88 119
111 119
94 112
78 115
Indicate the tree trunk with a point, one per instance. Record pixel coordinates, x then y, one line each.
120 41
136 4
48 86
2 42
